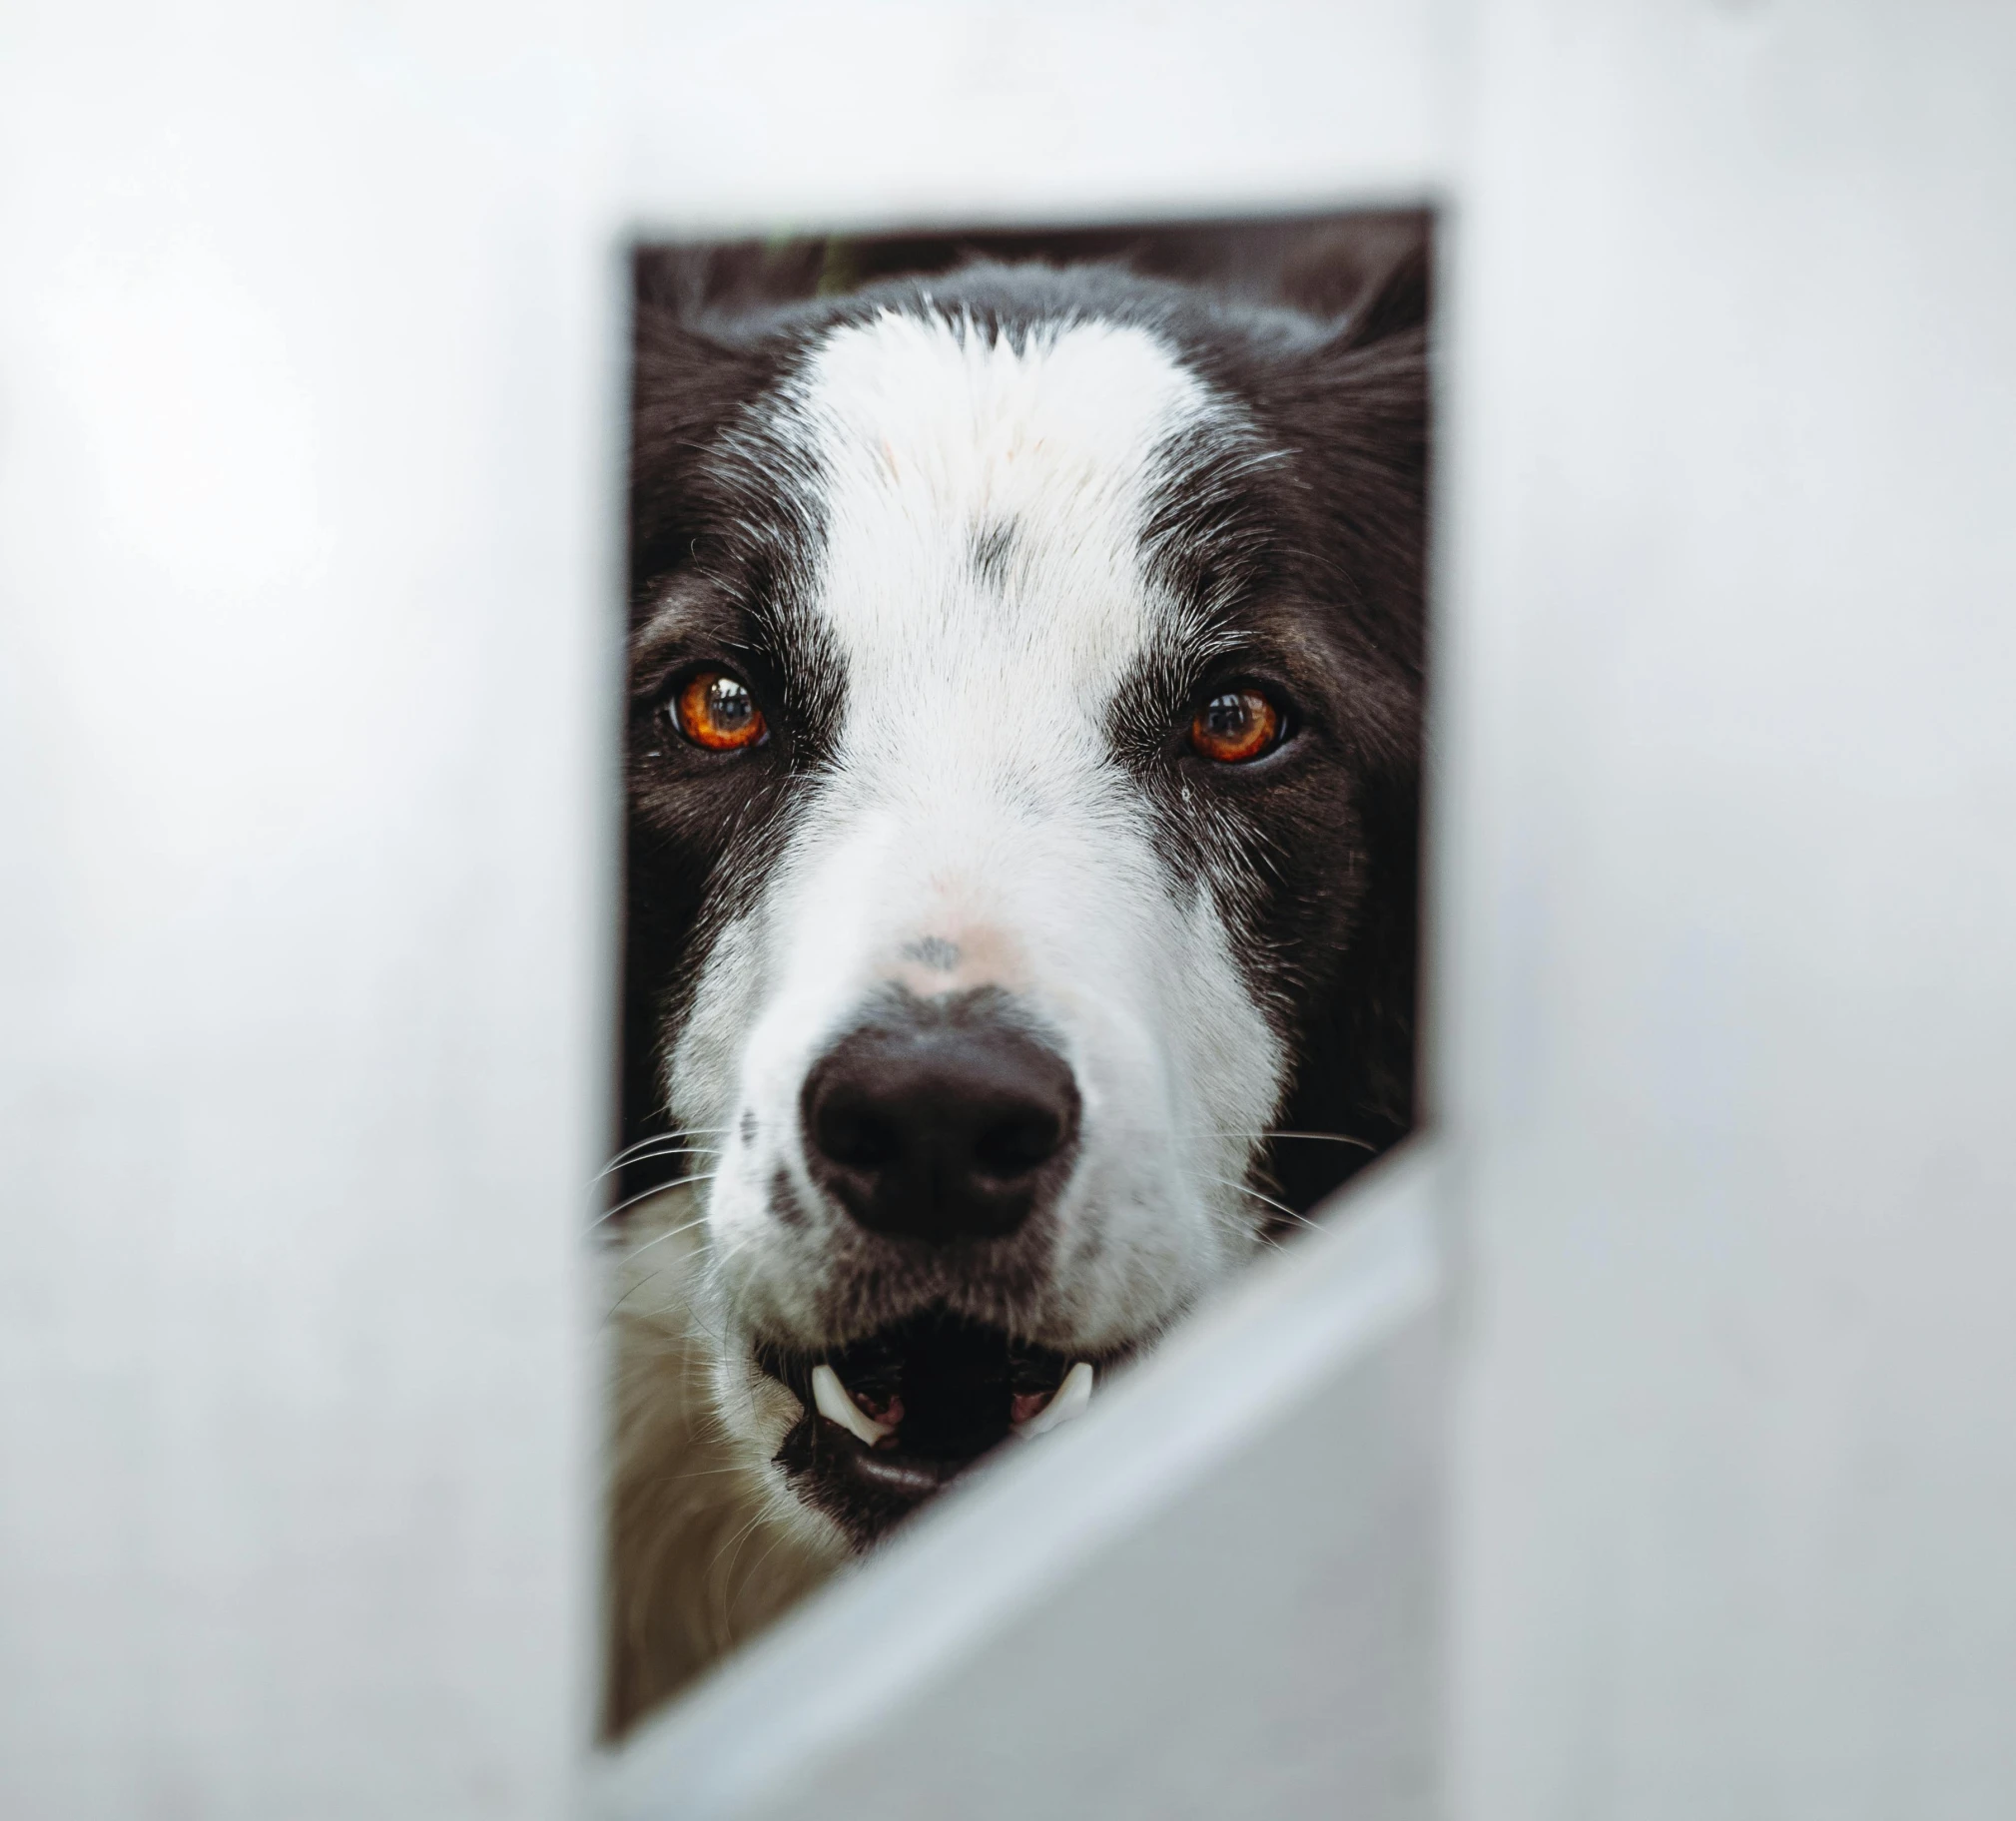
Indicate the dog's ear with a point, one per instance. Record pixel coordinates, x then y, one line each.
1359 413
1355 409
1373 271
691 373
1395 298
1355 405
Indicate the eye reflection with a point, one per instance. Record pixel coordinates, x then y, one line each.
714 710
1236 726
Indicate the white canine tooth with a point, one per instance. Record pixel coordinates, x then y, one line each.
1065 1401
831 1397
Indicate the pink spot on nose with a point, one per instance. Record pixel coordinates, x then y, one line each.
958 955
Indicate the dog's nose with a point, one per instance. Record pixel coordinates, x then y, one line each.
941 1120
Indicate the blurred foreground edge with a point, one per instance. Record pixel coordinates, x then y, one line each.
1251 1509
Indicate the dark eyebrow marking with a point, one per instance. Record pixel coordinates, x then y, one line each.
992 551
1209 534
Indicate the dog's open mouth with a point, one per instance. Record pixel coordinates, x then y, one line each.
891 1418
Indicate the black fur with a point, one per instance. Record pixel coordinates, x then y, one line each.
1307 537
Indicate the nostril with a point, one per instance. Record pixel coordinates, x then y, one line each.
1017 1145
856 1137
940 1120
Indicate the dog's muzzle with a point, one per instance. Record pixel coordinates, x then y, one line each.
941 1127
891 1418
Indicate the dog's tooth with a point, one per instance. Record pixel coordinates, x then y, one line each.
1065 1401
834 1403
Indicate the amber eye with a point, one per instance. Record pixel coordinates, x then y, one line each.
714 710
1239 725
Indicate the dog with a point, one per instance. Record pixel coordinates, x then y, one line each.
1023 735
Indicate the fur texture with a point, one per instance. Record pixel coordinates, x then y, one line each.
983 549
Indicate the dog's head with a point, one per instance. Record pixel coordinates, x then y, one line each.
1025 703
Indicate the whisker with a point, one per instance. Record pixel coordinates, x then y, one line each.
1363 1144
1279 1207
740 1536
755 1570
1275 1131
645 1143
644 1283
660 1238
663 1188
629 1293
1234 1131
647 1157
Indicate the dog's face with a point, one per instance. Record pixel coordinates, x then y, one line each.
1013 740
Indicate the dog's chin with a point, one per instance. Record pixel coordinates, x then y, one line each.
889 1420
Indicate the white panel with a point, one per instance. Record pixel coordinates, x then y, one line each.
1213 1594
1729 687
305 342
311 353
792 112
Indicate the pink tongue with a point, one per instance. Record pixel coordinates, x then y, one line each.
1024 1404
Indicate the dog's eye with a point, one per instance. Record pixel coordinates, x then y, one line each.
1235 725
714 708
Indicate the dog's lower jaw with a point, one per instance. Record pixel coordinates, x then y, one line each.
709 1539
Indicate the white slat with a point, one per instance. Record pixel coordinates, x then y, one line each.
1213 1593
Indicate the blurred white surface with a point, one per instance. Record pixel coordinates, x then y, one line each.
1030 111
1729 910
1215 1594
310 385
309 400
307 604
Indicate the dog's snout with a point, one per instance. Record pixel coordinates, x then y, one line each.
941 1122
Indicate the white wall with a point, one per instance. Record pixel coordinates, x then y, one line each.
311 348
1729 910
309 393
307 343
906 112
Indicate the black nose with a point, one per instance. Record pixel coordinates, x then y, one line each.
941 1120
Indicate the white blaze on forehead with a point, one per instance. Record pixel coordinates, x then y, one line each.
938 439
983 581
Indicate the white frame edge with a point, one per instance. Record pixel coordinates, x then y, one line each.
1326 1305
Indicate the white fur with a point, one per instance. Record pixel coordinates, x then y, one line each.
973 801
